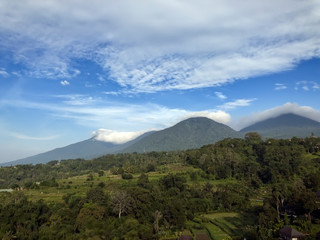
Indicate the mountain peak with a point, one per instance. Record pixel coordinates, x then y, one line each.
285 126
190 133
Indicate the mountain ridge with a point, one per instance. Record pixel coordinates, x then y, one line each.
190 133
86 149
187 134
285 126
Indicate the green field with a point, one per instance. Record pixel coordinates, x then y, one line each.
224 224
216 225
79 185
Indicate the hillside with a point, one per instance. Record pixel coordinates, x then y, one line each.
86 149
285 126
188 134
227 190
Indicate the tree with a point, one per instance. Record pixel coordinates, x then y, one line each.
96 195
151 167
177 213
173 181
143 180
253 138
101 173
157 216
121 202
126 176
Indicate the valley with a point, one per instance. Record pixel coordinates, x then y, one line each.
232 189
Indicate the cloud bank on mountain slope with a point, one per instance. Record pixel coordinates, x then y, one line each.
304 111
219 116
116 137
149 46
119 137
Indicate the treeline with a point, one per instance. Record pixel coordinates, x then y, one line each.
147 210
260 162
285 174
289 169
20 175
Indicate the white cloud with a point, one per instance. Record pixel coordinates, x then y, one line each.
306 85
124 117
280 86
26 137
4 73
100 77
220 95
237 103
218 116
64 83
159 45
77 99
294 108
116 137
113 93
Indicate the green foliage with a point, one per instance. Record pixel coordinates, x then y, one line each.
49 183
279 177
100 173
253 138
143 181
126 176
150 168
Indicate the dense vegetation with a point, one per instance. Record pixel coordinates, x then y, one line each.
235 188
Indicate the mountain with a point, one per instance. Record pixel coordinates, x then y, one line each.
86 149
285 126
188 134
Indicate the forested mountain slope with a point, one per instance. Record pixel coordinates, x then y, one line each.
236 188
285 126
188 134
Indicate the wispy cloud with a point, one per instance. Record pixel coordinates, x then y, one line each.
237 103
77 99
115 116
100 78
307 85
113 93
34 138
280 86
220 95
4 73
315 86
65 83
161 45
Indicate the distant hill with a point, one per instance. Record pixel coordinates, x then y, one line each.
188 134
86 149
285 126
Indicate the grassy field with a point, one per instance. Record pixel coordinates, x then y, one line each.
79 185
224 224
215 232
216 225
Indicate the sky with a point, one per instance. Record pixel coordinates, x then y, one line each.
72 70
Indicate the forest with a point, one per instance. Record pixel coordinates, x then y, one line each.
233 189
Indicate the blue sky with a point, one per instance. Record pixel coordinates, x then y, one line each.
114 69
